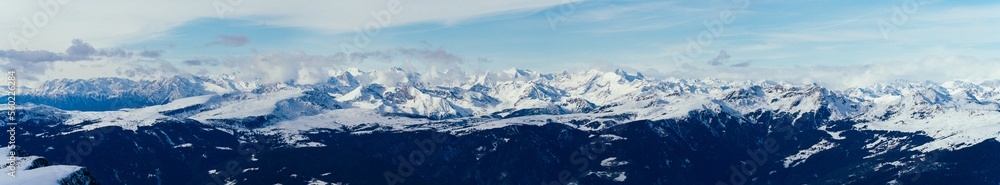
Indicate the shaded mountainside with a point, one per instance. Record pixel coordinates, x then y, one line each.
701 148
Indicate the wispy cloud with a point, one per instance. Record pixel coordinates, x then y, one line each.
35 63
313 68
621 17
937 69
741 64
722 58
229 41
134 21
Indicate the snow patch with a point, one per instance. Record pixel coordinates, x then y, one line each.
799 158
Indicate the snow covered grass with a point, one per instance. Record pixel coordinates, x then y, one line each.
291 130
802 156
178 104
131 119
335 119
253 105
951 130
127 120
613 162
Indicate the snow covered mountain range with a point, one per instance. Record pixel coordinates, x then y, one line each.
952 115
947 111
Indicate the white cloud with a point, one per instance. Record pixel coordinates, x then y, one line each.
281 67
118 22
932 68
136 69
34 65
441 65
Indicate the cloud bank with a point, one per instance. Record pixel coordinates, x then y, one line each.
34 63
933 68
441 66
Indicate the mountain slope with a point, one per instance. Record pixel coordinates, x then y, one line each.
36 170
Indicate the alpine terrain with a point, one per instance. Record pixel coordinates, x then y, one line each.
505 127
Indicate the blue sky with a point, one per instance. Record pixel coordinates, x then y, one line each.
635 33
548 36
